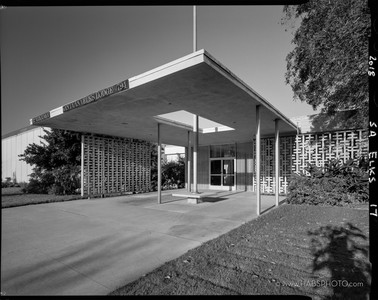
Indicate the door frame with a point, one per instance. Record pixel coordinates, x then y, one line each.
222 187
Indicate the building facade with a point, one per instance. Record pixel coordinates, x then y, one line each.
234 139
14 144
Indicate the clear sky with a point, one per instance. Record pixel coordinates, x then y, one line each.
51 56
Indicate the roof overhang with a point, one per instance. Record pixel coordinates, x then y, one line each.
196 83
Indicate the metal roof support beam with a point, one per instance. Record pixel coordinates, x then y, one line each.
258 160
189 162
82 166
277 158
186 167
195 153
159 163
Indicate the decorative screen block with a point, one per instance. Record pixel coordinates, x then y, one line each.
318 148
115 165
268 164
297 151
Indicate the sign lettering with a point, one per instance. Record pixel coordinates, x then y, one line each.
124 85
41 117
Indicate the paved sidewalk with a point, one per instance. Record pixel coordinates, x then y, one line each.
91 247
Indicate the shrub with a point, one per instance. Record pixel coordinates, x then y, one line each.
8 182
66 180
173 174
23 185
40 182
337 183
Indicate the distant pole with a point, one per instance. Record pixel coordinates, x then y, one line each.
194 29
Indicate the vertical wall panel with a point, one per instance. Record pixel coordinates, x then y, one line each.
14 145
321 147
116 165
287 150
203 167
241 167
315 148
244 166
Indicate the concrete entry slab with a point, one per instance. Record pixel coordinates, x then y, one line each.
91 247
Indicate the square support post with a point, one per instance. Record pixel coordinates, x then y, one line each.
82 167
186 167
159 164
195 153
277 159
189 162
258 160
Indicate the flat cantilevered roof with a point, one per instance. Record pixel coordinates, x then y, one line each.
196 83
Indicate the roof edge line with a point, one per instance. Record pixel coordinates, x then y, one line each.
167 65
259 98
175 123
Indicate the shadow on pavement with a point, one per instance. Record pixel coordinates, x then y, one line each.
342 252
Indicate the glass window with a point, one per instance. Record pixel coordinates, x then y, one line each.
216 167
222 151
229 150
228 166
215 151
228 180
216 180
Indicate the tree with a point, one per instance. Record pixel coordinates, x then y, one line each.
56 163
154 168
328 66
173 173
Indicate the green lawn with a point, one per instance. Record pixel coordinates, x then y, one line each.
12 197
11 191
293 250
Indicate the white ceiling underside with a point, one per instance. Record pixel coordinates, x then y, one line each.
197 84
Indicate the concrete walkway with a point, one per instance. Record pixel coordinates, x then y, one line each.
91 247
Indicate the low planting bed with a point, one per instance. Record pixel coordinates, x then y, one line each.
337 183
317 251
12 197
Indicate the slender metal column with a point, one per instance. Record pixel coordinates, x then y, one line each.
189 162
82 166
277 158
195 153
194 29
159 165
186 167
258 160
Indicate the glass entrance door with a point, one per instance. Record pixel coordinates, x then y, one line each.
222 173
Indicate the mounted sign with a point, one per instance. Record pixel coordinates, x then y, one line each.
40 118
124 85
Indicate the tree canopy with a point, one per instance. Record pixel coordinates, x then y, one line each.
56 163
328 66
